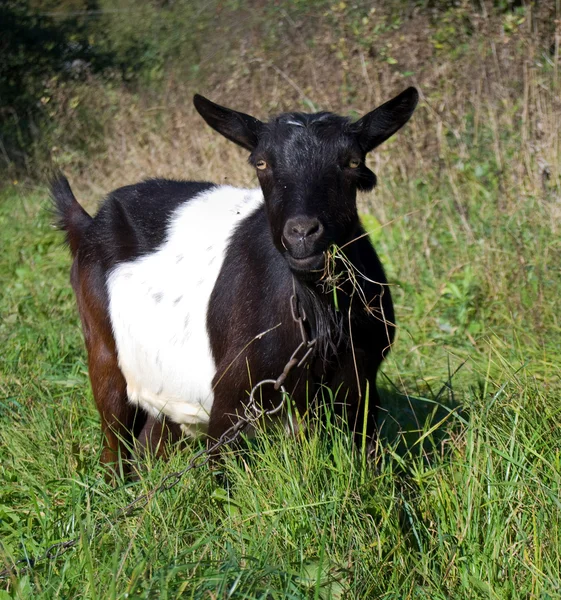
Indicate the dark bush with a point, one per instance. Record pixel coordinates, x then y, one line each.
35 47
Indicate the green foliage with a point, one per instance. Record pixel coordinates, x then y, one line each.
452 27
34 47
145 37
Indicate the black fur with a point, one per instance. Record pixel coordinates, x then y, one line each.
252 296
69 215
309 168
133 220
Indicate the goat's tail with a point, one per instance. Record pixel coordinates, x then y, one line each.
70 216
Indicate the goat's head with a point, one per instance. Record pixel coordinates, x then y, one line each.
310 167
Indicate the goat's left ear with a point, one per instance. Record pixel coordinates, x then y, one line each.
380 124
236 126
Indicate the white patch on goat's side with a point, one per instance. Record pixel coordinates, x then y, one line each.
158 306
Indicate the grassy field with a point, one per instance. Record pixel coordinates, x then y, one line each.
463 498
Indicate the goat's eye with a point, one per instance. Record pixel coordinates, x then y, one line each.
354 163
261 165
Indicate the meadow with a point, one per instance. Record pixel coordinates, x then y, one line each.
463 496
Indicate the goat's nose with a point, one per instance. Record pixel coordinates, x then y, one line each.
301 234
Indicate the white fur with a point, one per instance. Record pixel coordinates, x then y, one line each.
158 307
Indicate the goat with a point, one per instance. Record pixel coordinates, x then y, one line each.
177 281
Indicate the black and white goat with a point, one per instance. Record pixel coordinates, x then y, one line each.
175 281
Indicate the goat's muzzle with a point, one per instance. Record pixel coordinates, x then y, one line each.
304 240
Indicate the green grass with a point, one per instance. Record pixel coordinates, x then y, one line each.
462 500
463 497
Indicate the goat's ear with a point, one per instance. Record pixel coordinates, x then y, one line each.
380 124
236 126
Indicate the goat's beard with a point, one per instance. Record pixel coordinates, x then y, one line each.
327 324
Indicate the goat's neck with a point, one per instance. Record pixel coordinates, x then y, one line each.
324 321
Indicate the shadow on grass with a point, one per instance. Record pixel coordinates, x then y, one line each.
423 421
409 422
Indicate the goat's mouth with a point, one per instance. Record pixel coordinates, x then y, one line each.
310 265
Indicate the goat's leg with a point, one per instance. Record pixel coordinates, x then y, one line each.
357 396
117 414
227 407
157 434
108 383
222 417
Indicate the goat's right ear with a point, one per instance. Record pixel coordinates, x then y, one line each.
236 126
380 124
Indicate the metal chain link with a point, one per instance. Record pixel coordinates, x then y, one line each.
252 414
